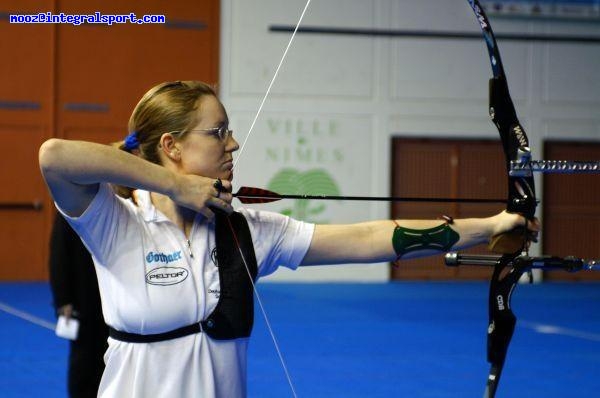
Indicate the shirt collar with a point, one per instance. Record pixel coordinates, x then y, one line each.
149 212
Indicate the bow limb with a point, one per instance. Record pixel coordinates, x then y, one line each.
232 229
521 199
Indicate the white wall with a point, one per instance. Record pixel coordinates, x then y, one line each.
339 99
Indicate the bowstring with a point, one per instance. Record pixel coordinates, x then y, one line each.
271 84
262 309
257 295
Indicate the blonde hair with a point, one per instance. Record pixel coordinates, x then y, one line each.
166 107
122 191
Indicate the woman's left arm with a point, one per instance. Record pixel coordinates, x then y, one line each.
387 240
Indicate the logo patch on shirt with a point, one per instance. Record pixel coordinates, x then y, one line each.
164 276
162 257
213 257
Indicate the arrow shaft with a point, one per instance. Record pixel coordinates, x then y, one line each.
371 198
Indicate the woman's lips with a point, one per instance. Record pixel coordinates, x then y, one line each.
228 166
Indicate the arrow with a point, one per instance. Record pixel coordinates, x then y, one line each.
250 195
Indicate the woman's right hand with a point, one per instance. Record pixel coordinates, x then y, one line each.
201 194
66 311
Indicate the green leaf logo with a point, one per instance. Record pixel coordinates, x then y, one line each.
311 182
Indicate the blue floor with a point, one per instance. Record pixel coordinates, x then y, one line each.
365 340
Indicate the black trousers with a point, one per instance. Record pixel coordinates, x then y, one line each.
86 362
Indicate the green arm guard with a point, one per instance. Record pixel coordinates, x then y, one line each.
407 240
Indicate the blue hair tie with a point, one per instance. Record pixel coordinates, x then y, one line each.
131 141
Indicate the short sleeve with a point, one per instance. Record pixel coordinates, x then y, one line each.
278 240
99 224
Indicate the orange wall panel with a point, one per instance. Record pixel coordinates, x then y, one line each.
82 82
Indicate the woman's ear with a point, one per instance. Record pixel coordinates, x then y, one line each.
169 146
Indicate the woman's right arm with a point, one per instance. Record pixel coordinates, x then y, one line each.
73 170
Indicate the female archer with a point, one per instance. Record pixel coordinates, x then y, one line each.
174 261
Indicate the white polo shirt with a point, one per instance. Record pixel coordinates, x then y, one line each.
152 279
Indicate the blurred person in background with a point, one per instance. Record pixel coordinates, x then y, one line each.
75 294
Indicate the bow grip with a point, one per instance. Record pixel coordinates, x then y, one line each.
510 242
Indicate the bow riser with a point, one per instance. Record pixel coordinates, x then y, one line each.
521 189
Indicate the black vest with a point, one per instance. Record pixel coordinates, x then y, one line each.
233 317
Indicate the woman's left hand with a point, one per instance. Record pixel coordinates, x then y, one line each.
506 222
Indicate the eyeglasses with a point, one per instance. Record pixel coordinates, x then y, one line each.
222 133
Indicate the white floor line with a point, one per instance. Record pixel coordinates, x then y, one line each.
27 317
553 329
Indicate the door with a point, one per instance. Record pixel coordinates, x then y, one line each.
571 217
26 118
